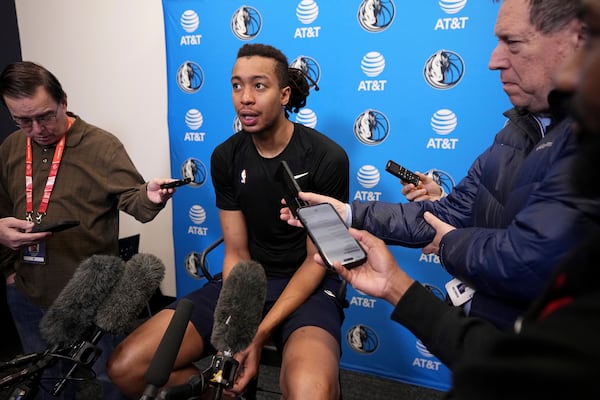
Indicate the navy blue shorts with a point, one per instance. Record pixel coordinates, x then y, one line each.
322 309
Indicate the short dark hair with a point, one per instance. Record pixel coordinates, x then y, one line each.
294 78
21 79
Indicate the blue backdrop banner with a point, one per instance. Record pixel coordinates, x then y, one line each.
400 80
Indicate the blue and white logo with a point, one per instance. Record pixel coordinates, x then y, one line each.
194 169
246 23
307 11
423 350
307 117
189 21
444 69
368 176
190 77
362 339
372 64
371 127
193 119
443 122
197 214
310 67
452 6
376 15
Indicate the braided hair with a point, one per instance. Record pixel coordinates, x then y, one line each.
295 78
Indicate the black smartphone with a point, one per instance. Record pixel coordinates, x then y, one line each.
290 188
400 172
174 184
56 226
330 234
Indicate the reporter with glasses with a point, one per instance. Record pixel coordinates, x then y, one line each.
58 167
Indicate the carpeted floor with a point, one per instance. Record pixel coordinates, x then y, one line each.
355 386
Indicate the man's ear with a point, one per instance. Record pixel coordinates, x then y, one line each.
285 95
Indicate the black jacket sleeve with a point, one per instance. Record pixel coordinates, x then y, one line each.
445 330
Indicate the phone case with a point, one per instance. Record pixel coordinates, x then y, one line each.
55 227
330 235
291 188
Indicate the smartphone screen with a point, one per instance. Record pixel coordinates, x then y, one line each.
330 234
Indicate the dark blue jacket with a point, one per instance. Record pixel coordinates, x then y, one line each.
515 213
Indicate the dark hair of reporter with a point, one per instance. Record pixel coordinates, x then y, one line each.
295 78
22 79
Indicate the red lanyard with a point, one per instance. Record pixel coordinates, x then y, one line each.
60 146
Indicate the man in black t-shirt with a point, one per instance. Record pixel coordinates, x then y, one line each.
302 312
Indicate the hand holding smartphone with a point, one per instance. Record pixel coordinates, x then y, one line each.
400 172
291 188
55 227
324 225
330 234
177 183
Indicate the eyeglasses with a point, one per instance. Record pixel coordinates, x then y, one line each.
43 119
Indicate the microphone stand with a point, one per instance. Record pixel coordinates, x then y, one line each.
84 353
220 375
222 372
28 379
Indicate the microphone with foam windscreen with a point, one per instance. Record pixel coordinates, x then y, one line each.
119 311
239 308
142 277
162 363
68 320
74 310
236 318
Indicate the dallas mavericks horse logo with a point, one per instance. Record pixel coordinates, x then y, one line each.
190 77
443 70
371 127
246 23
310 68
376 15
194 169
362 339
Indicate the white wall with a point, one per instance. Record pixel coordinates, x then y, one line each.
110 58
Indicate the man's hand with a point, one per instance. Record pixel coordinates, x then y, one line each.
428 189
380 276
312 198
156 194
441 228
249 360
15 233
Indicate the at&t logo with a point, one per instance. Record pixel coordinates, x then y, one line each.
372 65
307 12
368 177
427 361
451 23
197 215
443 122
194 121
189 21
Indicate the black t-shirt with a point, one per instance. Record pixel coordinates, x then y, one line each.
244 180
